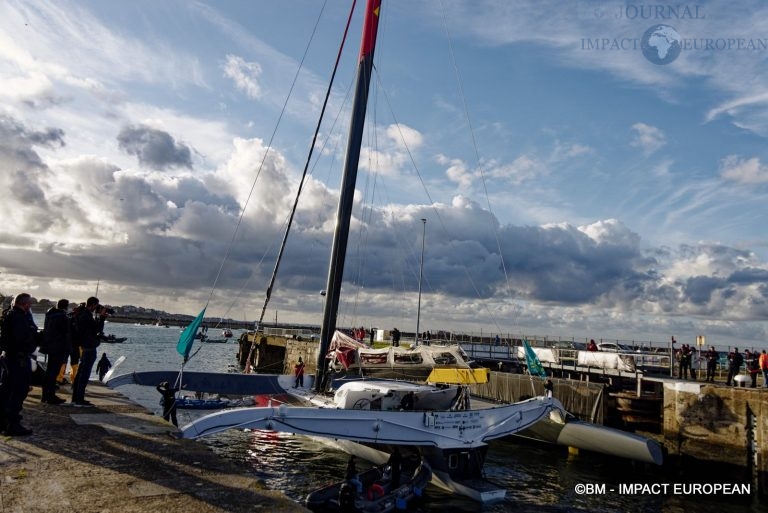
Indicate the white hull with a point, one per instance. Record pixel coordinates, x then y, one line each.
449 440
442 429
595 438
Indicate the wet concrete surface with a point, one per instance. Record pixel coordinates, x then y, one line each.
118 457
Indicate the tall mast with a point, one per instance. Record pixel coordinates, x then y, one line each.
348 181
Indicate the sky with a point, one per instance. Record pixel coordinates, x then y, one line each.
571 187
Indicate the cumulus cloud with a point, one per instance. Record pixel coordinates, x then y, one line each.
648 138
154 148
390 155
244 74
153 231
745 171
72 216
22 173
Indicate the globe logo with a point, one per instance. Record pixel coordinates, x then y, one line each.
661 44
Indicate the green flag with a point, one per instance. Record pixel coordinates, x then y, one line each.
187 337
534 365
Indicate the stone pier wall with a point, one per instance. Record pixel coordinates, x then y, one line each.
583 399
717 423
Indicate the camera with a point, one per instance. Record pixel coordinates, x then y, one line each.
107 310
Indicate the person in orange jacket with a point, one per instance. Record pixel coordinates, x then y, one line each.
763 361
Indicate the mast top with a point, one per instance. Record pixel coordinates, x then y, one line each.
370 27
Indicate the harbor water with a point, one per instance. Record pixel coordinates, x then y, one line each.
537 477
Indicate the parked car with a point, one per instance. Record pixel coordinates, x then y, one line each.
567 344
614 347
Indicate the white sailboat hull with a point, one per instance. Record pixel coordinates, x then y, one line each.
442 429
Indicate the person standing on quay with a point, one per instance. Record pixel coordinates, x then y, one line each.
753 367
763 362
712 357
735 360
73 344
298 370
56 331
17 340
88 329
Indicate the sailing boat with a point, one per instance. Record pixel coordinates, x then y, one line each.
369 418
452 439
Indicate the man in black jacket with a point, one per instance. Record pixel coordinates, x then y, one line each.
56 332
88 329
18 341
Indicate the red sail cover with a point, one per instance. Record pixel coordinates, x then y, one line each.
370 28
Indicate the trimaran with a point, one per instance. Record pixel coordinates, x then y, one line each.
369 418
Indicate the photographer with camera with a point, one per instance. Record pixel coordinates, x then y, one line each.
89 323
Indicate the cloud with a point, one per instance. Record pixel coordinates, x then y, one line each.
244 74
744 171
736 106
391 154
558 28
648 138
22 175
456 171
154 148
526 167
61 52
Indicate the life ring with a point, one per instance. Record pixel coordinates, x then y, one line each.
375 489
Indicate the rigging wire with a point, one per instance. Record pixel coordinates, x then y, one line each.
322 149
479 165
266 152
263 160
460 86
304 173
307 163
432 202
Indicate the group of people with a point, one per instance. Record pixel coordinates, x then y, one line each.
73 335
688 362
393 471
755 363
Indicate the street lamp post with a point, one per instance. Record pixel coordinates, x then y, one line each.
421 274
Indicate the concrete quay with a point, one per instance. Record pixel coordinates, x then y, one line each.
118 457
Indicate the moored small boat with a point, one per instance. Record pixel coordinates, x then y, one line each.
112 339
377 489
